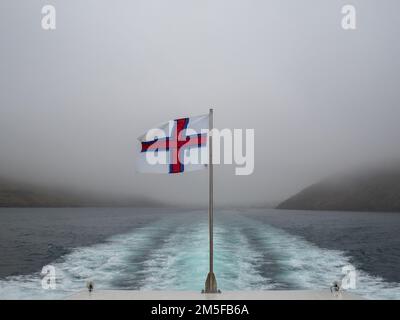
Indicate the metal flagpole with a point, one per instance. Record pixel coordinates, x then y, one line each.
211 281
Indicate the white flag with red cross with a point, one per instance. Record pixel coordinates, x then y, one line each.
177 146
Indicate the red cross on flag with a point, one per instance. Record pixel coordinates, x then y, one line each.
177 146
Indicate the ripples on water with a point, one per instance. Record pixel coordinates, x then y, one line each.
157 249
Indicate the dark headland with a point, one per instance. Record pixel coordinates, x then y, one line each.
376 189
20 194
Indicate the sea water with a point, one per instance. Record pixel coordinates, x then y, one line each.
167 249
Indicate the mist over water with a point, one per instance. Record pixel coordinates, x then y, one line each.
169 251
74 100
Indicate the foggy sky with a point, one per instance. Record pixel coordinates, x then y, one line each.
74 100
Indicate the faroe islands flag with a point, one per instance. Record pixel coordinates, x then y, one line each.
175 147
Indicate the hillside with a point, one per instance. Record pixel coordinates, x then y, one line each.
16 194
367 190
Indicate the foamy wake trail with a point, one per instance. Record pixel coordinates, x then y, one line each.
101 263
172 254
306 266
182 262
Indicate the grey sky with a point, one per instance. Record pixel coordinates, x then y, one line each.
320 99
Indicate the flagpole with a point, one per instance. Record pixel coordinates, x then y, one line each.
211 281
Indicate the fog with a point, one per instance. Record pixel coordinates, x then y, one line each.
74 100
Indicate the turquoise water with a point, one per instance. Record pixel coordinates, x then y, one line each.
254 250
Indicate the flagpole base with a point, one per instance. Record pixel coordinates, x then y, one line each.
211 284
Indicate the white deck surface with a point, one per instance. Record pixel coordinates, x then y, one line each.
228 295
